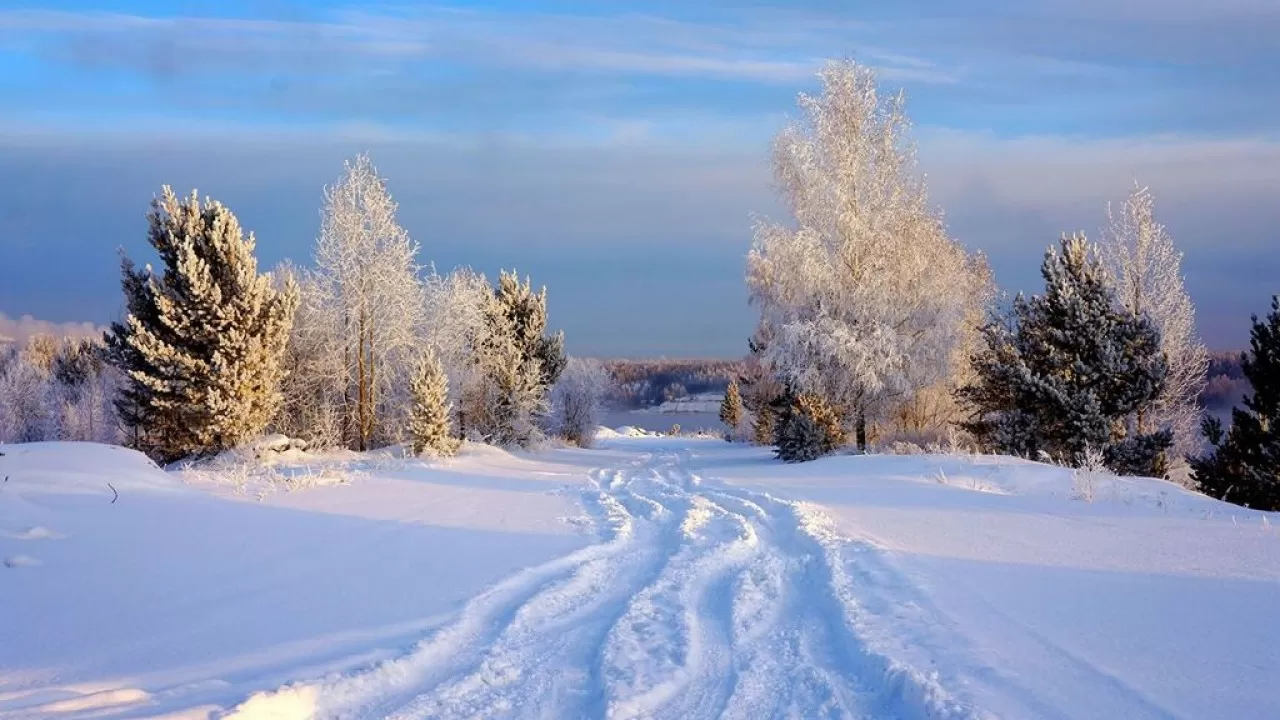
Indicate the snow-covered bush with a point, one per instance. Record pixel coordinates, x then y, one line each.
576 400
808 429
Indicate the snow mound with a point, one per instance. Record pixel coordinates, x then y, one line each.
631 431
36 532
79 467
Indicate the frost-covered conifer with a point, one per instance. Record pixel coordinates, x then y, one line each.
731 408
202 343
429 417
807 429
1244 465
1068 370
516 364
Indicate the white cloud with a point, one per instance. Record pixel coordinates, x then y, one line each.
26 327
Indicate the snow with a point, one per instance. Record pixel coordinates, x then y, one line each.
650 577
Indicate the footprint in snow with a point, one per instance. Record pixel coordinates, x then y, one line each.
15 561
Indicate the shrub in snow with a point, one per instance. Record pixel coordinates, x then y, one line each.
429 418
202 343
1146 269
1244 465
807 429
1068 371
731 409
576 400
866 299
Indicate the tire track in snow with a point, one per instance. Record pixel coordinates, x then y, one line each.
697 602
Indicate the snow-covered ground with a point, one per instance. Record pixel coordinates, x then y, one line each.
653 577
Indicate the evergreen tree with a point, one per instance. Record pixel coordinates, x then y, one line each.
731 408
429 416
760 390
1069 371
1244 466
202 343
517 362
808 429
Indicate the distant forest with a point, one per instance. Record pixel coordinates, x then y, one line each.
645 383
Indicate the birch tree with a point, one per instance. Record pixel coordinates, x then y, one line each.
1146 269
202 342
365 297
866 297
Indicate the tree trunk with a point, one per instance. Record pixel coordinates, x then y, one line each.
360 388
860 431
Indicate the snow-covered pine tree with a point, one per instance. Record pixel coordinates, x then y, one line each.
761 391
202 343
866 297
507 396
527 312
517 364
731 409
1068 371
1244 465
807 429
1146 269
429 417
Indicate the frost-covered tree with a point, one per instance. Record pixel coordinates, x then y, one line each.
516 364
312 393
1067 372
761 391
576 399
731 408
808 428
1244 465
202 343
27 400
83 387
866 297
364 301
454 326
1146 269
429 418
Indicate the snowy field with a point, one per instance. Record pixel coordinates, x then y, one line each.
649 578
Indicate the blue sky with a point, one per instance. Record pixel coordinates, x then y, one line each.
616 151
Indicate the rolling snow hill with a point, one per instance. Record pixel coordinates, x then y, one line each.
652 577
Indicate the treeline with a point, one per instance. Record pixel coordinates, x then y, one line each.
365 348
645 383
874 325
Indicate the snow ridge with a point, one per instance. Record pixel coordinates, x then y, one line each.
698 601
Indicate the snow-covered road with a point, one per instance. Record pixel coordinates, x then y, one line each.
698 601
